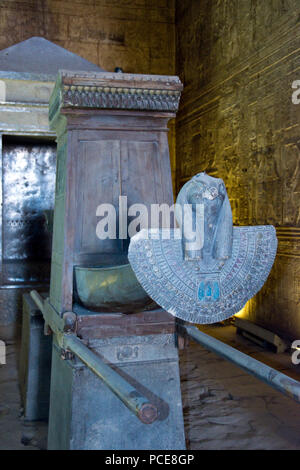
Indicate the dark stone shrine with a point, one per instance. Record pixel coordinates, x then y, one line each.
111 141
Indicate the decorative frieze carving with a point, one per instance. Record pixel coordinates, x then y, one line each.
120 98
116 91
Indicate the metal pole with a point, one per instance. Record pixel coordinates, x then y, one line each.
38 299
131 398
135 401
276 379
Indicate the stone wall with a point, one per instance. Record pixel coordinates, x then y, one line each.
137 35
238 59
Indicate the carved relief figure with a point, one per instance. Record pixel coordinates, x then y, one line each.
268 200
291 209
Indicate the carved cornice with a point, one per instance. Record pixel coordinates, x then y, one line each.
115 91
120 98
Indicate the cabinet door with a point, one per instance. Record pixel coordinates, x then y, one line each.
99 183
140 172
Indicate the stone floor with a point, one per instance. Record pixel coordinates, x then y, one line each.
14 433
224 407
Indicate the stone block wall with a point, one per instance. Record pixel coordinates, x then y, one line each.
137 35
238 60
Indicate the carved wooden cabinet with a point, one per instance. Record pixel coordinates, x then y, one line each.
112 141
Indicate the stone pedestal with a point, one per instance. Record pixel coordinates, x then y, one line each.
85 414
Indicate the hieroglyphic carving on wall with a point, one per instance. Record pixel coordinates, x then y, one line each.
291 170
239 121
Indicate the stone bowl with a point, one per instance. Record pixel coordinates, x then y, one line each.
111 289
